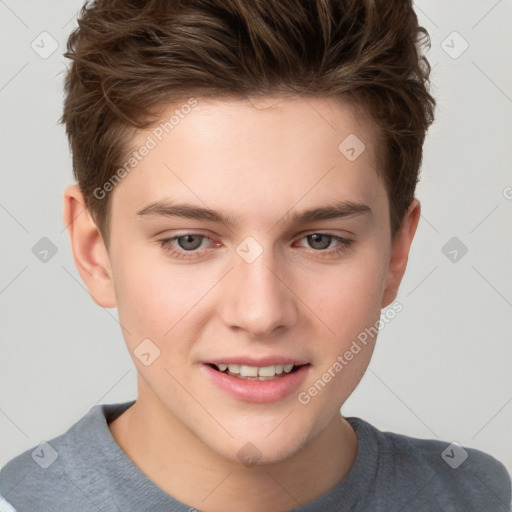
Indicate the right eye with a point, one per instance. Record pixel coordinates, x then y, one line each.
184 246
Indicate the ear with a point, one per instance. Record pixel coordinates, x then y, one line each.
89 251
400 246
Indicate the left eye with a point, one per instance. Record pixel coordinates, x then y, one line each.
319 240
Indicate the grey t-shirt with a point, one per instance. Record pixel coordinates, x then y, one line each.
85 469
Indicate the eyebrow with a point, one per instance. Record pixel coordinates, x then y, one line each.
339 209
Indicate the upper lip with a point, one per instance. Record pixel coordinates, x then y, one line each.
258 362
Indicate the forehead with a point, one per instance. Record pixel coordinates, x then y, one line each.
253 153
260 119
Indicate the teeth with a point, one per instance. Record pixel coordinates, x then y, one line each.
248 371
254 371
267 371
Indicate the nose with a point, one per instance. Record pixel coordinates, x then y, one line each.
257 299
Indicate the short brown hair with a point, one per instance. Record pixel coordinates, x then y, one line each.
132 57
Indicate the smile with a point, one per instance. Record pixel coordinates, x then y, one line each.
268 383
269 372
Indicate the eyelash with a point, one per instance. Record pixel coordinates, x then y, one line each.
168 246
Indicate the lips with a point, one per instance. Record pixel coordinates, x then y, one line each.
257 380
268 372
257 361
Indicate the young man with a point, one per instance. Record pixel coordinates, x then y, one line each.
246 174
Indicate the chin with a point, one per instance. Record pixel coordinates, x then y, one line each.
261 449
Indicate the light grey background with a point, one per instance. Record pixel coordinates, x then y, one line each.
441 368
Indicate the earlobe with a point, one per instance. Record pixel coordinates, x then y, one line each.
89 251
400 247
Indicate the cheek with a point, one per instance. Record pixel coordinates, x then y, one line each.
348 299
159 301
158 305
350 307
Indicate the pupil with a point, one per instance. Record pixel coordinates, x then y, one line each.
184 242
316 238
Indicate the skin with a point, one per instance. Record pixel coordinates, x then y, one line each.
259 161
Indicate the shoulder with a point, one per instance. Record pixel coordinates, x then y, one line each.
455 477
42 467
62 473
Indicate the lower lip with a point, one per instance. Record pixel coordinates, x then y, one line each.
259 391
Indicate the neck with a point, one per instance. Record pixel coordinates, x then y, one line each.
203 479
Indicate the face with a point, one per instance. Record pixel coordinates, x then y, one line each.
246 238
